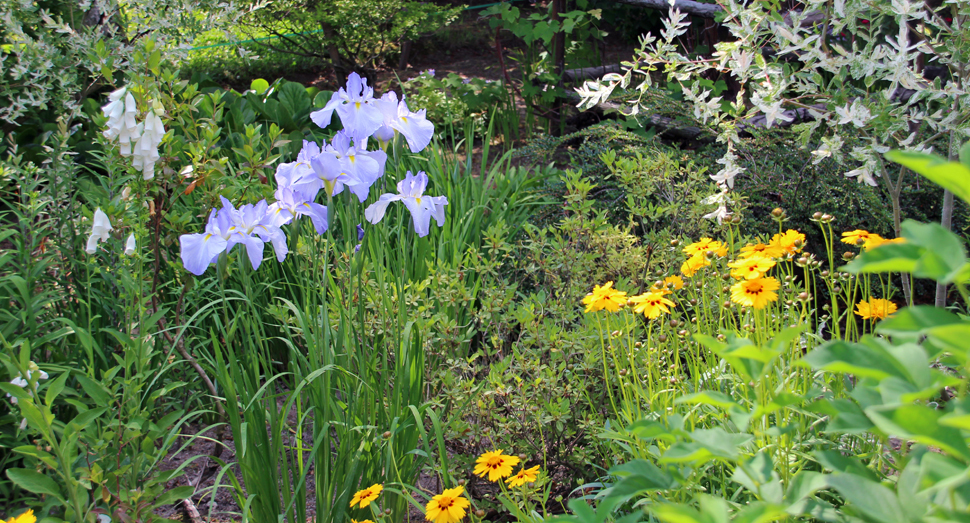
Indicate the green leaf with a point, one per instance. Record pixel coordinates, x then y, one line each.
758 476
708 397
892 257
259 85
943 257
921 424
295 104
95 390
853 358
176 494
33 481
916 321
950 175
639 475
869 500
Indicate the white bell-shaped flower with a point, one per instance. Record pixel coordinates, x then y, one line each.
130 245
99 231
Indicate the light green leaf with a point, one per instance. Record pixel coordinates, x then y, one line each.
950 175
33 481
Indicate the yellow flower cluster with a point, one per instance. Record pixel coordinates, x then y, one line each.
755 289
867 239
651 304
450 506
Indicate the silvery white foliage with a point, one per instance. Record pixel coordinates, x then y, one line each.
873 42
53 60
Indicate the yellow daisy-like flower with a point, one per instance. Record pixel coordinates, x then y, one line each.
352 520
694 264
790 241
364 497
524 476
875 241
495 464
761 250
651 304
605 297
700 247
750 268
755 293
875 308
856 237
447 507
26 517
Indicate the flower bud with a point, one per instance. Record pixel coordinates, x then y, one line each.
817 216
674 243
848 256
777 212
386 435
662 338
479 513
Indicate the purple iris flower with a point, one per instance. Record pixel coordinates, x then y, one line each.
355 107
411 193
251 225
347 163
415 127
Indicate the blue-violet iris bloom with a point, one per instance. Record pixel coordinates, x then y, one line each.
411 193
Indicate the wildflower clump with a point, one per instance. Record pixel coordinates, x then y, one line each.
875 308
447 507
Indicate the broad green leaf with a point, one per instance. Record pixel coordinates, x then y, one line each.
759 512
868 499
638 476
893 257
804 484
758 476
176 494
944 256
842 357
95 390
950 175
708 397
921 424
837 462
35 482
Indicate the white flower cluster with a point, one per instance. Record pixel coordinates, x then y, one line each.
100 231
122 111
21 382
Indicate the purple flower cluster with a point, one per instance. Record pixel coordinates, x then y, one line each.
343 163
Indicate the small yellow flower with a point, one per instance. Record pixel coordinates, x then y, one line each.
524 476
702 246
651 304
26 517
750 268
364 497
790 241
755 293
694 264
676 282
875 308
352 520
761 250
605 297
447 507
495 464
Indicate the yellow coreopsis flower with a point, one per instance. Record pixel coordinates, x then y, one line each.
875 241
352 520
790 241
524 476
875 308
447 507
495 464
755 293
694 264
26 517
761 250
856 237
702 246
651 304
364 497
605 297
750 268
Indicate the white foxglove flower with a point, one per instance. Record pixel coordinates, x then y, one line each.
121 111
99 231
146 148
130 245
